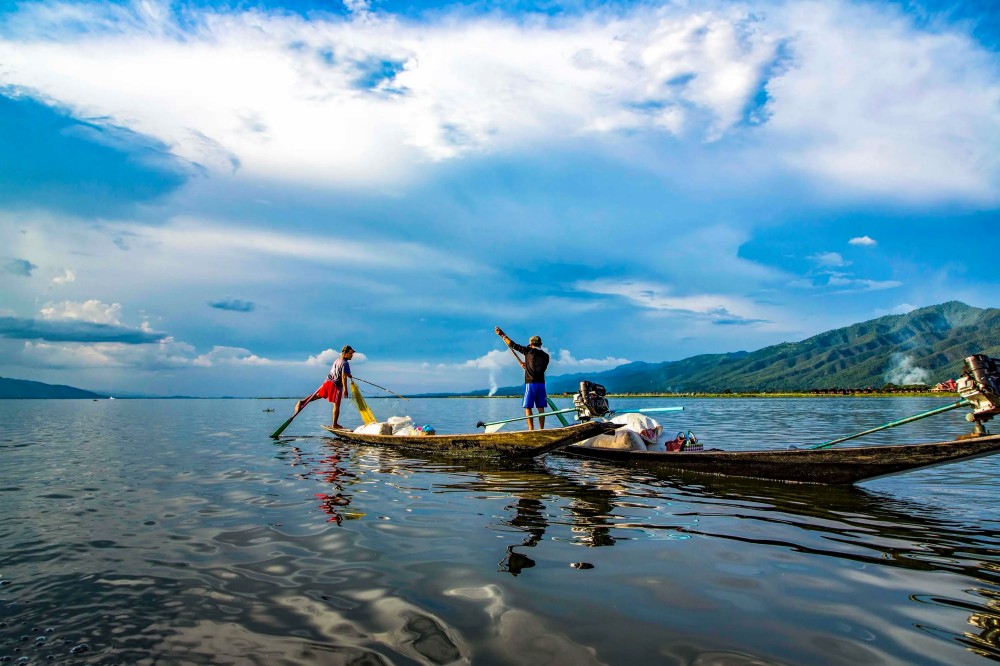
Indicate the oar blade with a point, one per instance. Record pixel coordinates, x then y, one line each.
493 427
277 433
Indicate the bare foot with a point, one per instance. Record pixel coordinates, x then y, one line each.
298 406
338 426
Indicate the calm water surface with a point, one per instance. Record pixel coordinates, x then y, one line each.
178 532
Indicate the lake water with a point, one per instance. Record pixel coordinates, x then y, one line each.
178 532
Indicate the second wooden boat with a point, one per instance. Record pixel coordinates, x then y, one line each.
829 466
518 444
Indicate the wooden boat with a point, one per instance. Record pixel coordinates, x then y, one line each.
829 466
521 443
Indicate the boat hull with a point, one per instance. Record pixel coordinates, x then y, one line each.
517 444
826 466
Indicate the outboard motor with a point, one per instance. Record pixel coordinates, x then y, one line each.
980 386
591 402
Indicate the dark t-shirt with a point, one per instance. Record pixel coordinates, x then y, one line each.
535 362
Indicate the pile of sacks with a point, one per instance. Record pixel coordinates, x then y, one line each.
641 433
395 425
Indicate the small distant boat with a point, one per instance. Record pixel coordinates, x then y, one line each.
825 466
518 444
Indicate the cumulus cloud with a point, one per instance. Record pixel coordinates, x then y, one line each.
837 89
326 358
94 346
87 322
862 240
67 277
492 362
93 311
14 266
564 362
496 361
865 81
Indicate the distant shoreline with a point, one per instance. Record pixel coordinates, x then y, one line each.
775 394
735 396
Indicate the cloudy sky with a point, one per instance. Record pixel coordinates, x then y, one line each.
209 198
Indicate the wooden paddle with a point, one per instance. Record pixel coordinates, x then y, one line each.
494 426
281 428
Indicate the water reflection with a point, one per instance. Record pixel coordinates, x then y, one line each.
855 524
600 505
333 470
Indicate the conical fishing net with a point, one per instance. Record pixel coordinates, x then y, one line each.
366 413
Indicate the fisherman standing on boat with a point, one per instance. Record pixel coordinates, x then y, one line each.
534 364
336 385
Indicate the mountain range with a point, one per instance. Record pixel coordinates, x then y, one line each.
925 346
22 388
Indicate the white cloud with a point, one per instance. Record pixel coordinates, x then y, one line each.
564 362
357 6
863 240
324 359
93 311
870 102
364 99
67 277
166 354
493 361
192 237
649 295
848 284
497 361
830 260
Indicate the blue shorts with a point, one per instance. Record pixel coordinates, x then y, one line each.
535 396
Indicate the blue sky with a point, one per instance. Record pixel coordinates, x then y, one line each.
210 198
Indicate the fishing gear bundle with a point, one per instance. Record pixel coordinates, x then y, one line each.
359 400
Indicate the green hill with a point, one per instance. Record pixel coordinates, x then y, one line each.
924 346
22 388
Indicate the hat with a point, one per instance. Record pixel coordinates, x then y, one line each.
347 348
535 340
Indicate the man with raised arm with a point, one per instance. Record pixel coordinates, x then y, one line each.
535 362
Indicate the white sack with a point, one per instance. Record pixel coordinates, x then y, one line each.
400 423
623 439
374 429
647 427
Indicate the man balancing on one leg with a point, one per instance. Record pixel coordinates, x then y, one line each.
335 387
534 364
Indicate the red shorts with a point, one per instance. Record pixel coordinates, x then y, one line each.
330 391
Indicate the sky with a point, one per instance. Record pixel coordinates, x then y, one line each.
204 198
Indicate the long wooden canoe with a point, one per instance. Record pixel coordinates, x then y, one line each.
518 444
830 466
